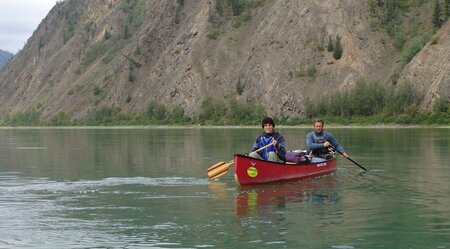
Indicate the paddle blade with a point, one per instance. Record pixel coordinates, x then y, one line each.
218 171
219 175
216 165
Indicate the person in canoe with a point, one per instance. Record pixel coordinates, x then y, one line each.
277 151
318 141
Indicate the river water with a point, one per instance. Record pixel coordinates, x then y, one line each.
147 188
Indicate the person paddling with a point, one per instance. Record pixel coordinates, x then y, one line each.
274 153
319 141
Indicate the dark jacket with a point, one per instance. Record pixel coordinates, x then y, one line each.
265 139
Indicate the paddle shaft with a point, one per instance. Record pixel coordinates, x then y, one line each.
351 160
262 148
221 168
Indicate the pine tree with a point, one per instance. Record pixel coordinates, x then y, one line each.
219 7
390 12
107 35
337 52
236 7
330 46
447 9
437 13
126 32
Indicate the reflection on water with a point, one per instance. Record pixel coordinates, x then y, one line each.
258 200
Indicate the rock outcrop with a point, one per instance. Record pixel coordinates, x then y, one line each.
429 71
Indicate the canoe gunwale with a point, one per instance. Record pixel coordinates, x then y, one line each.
272 172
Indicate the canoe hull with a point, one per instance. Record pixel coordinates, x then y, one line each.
251 171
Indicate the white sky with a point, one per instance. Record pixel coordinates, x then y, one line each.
18 20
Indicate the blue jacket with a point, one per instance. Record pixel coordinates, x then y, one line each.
265 139
315 142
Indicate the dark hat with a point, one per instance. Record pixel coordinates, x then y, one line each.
267 120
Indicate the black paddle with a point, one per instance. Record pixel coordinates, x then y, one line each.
349 159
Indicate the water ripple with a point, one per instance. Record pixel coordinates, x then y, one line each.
42 184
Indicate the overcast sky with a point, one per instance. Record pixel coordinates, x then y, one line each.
18 20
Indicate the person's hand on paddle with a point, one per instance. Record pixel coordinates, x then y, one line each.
344 154
274 142
328 144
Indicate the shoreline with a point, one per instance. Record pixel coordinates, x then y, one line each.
125 127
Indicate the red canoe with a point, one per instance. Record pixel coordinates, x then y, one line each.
251 171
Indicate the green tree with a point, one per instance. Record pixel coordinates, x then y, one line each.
406 96
390 13
373 4
446 9
399 37
176 115
130 72
219 7
236 7
28 117
437 13
309 108
240 87
337 50
244 112
103 115
440 105
156 111
367 98
60 120
107 35
213 109
177 16
330 45
126 32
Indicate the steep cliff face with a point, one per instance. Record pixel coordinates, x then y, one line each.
89 54
272 55
429 71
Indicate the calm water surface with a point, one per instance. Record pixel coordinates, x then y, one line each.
147 188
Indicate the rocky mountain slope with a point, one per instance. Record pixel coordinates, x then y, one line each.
430 69
120 53
4 58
